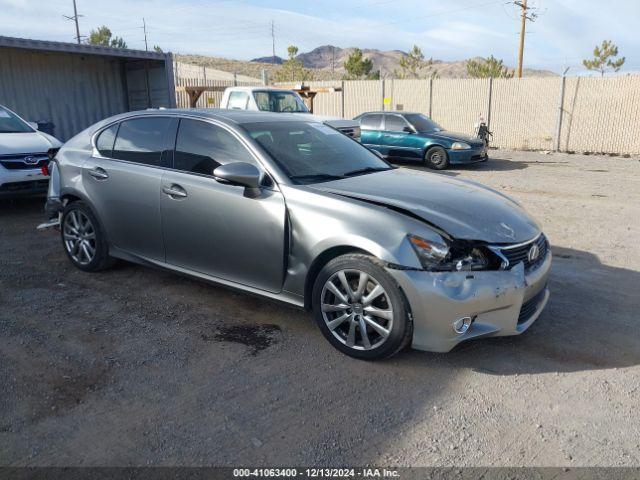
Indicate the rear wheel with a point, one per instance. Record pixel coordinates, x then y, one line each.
436 158
360 309
83 241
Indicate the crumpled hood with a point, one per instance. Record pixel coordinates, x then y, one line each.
28 142
463 209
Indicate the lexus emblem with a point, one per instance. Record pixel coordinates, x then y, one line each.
30 160
534 253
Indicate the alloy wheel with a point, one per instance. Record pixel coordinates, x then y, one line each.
437 158
79 237
356 309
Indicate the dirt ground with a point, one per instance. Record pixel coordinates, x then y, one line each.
135 366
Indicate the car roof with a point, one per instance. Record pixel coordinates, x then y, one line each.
258 89
397 112
229 116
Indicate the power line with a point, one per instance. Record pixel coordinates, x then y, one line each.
75 19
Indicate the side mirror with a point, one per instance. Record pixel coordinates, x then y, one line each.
238 173
407 129
33 125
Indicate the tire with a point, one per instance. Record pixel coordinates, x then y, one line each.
436 158
82 238
341 322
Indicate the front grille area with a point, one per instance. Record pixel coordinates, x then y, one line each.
520 253
17 161
530 307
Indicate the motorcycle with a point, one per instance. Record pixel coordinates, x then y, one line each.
482 131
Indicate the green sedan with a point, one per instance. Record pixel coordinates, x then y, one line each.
414 136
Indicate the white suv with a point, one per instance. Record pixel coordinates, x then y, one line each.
281 100
23 152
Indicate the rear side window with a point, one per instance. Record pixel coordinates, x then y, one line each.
202 146
141 140
104 143
395 123
238 100
371 122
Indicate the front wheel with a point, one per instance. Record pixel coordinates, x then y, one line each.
436 158
360 309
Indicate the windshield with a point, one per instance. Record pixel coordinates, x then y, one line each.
11 123
274 101
422 123
313 152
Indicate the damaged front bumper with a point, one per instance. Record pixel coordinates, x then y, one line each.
500 302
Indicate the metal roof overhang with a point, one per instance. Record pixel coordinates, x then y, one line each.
81 49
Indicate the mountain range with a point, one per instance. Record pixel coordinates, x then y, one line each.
326 63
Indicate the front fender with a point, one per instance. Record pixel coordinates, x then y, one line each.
320 222
356 242
429 143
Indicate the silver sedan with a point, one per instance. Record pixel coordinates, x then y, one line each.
295 211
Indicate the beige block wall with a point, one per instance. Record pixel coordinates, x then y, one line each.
602 115
599 114
408 95
327 103
524 112
457 103
362 96
194 75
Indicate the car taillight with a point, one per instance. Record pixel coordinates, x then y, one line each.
45 169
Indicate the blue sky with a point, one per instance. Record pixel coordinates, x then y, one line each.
564 33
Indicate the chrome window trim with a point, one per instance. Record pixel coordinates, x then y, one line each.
251 148
96 154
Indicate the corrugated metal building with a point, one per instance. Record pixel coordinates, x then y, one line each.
74 86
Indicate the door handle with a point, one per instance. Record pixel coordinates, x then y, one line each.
175 191
99 173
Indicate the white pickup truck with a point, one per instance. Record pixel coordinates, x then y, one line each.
270 99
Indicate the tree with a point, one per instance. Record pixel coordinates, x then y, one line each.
157 49
488 68
103 37
604 56
358 66
413 63
292 69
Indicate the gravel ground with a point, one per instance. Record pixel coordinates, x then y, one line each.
135 366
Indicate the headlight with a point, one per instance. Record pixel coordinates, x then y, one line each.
460 146
430 254
435 256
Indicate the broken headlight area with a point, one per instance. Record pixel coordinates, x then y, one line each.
454 255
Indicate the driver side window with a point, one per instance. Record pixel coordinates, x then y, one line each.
201 147
395 123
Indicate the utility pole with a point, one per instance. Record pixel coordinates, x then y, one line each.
333 62
75 19
523 25
144 27
273 43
